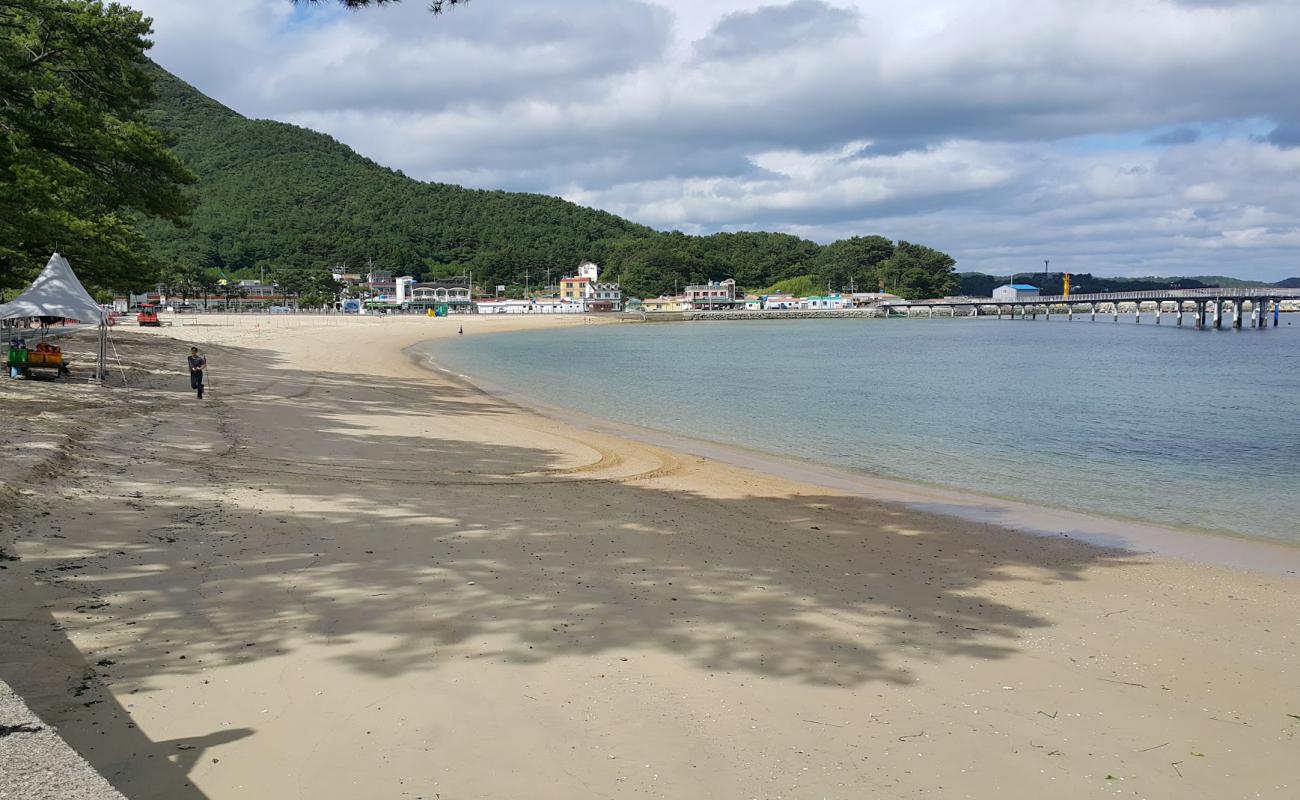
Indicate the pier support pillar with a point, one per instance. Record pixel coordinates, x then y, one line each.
1236 315
1137 312
1115 307
1069 313
1092 308
1047 312
1218 313
976 314
1254 313
1277 312
1159 307
1200 314
1178 307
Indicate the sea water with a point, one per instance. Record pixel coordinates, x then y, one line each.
1195 429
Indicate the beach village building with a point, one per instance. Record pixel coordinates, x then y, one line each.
714 296
1015 291
537 305
665 304
453 293
584 288
828 303
383 292
780 302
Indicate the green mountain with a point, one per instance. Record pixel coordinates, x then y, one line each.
272 195
277 197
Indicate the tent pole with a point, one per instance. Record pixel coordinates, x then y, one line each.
102 370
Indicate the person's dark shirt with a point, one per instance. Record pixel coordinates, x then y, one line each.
197 363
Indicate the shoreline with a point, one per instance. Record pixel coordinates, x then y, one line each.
1212 548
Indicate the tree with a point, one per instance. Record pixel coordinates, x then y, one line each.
76 162
308 282
657 265
853 261
185 281
917 272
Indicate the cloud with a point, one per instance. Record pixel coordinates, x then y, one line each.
769 29
1286 134
958 124
1181 135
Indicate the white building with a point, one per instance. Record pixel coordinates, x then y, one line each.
585 288
604 297
402 287
780 302
1015 291
440 294
827 303
535 306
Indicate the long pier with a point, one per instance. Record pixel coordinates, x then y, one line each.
1208 307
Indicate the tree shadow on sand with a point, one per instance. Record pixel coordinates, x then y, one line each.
443 548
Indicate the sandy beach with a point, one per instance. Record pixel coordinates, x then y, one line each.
342 575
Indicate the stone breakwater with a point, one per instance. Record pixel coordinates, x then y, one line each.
843 313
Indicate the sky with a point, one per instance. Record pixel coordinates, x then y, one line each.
1117 137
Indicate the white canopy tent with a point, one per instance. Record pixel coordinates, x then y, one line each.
56 292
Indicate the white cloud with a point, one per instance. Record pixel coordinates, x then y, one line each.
971 126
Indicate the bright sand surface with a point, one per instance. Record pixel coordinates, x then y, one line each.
344 576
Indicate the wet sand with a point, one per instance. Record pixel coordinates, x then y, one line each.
343 576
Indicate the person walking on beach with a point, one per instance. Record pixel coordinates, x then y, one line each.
197 363
461 332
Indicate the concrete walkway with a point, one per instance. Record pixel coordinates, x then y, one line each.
36 764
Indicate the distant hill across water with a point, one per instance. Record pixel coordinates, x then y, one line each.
977 284
273 196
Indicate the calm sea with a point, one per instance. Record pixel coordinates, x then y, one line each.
1196 429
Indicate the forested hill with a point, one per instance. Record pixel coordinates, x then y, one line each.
275 195
280 197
